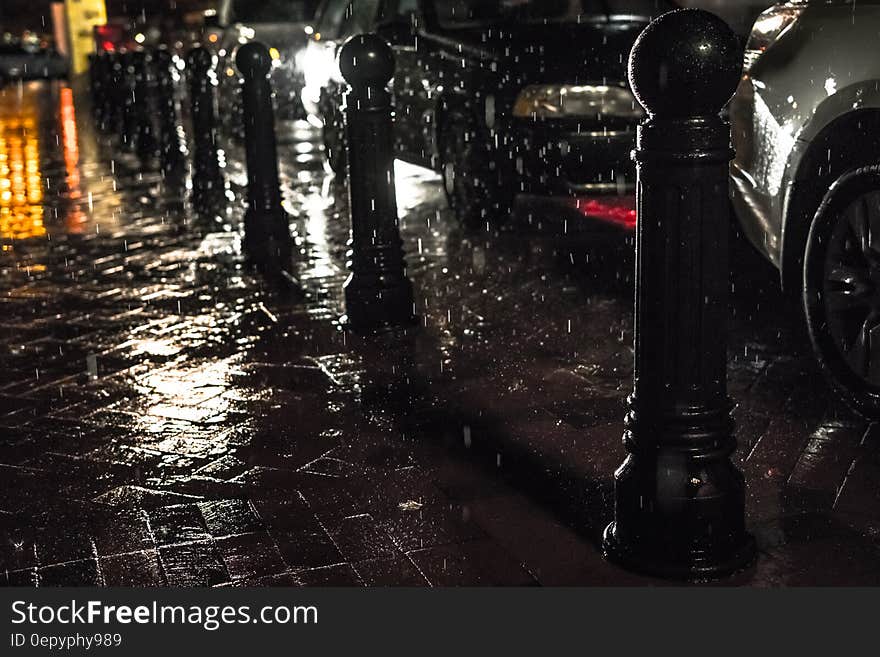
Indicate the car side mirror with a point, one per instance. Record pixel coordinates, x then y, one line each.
400 31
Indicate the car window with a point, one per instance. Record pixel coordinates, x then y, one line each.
480 11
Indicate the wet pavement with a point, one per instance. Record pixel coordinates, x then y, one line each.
166 418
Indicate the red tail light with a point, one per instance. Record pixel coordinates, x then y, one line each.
617 210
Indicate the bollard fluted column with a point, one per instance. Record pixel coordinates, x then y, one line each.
378 294
105 97
147 146
679 500
97 85
267 239
115 94
209 187
129 121
171 143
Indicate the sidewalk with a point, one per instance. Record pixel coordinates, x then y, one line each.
166 420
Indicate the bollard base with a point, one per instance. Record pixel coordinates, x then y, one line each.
360 325
371 310
658 560
149 162
679 511
267 241
210 202
400 329
127 145
174 183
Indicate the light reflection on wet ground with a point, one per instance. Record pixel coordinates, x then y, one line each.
21 180
168 419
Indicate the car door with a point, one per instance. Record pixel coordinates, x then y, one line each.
399 24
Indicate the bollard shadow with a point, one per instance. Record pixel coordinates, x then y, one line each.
470 408
432 383
400 385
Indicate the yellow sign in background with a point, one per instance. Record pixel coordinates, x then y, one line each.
82 16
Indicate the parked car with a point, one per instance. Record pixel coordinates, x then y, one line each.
20 60
806 123
509 97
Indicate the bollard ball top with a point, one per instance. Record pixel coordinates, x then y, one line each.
253 59
366 59
199 59
163 56
687 62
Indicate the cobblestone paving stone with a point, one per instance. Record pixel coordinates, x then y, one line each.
168 419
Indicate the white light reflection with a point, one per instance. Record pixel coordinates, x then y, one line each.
415 185
184 391
767 130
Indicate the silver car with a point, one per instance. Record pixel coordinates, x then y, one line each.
806 128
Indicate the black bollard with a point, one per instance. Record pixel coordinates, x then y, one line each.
679 501
267 238
105 107
209 187
147 145
378 294
96 85
129 123
171 143
115 96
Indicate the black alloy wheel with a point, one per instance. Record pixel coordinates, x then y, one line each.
841 291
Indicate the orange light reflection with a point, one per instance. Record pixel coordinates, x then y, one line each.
75 218
21 180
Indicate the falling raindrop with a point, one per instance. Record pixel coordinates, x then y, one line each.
92 366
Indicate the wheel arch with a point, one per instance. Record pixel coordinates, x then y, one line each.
849 141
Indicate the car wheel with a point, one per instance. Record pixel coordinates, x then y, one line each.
842 288
472 182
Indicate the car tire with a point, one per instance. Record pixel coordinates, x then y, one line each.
841 288
473 183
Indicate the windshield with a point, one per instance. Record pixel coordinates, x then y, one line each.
483 11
